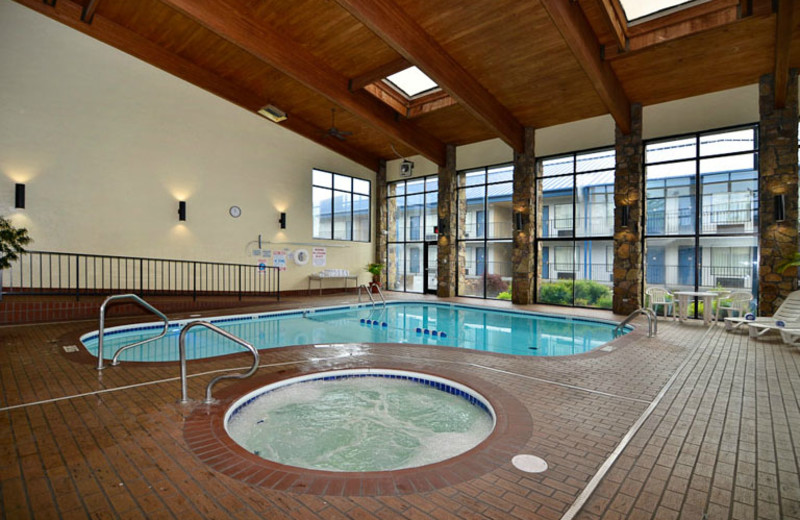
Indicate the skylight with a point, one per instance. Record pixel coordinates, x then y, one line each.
412 82
635 9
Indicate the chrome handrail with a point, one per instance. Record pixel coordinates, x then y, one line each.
380 292
137 299
369 293
652 322
226 334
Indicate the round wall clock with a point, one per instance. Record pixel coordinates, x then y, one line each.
235 211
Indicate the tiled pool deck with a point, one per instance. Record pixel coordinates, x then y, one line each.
722 437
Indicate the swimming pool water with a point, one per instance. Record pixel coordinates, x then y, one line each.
475 328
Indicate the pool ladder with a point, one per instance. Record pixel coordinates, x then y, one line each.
182 344
225 334
652 322
368 289
101 331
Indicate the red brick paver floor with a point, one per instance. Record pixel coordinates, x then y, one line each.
722 441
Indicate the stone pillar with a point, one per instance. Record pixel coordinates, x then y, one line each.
381 221
628 195
523 203
777 165
448 213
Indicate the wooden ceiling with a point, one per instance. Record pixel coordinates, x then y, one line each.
505 64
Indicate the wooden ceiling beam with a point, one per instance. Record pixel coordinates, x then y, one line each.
379 73
237 25
783 40
88 11
616 20
402 33
69 13
579 36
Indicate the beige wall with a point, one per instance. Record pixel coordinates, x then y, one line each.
717 110
106 146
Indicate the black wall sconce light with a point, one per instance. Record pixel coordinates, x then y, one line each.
625 218
442 227
518 224
19 196
182 210
282 220
780 208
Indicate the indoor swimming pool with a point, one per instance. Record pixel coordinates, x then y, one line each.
441 324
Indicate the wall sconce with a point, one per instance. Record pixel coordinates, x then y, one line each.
442 226
625 218
518 221
182 210
780 208
282 220
19 196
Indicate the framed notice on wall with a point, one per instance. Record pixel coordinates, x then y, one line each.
319 256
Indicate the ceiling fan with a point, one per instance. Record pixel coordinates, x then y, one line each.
335 132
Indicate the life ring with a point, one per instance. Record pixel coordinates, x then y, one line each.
301 256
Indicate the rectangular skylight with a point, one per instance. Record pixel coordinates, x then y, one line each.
412 81
635 9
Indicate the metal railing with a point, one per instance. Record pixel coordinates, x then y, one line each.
369 293
224 333
54 273
380 292
652 322
114 360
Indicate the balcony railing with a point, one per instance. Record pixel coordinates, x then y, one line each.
52 273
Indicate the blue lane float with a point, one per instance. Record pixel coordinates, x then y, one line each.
431 332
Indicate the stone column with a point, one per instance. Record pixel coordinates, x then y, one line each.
381 221
628 197
523 203
778 177
448 213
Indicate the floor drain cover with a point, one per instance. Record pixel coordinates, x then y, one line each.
529 463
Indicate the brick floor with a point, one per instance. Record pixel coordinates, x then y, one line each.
721 442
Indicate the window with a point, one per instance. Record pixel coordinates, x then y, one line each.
575 234
485 231
340 207
702 210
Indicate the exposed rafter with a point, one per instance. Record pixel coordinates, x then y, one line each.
237 25
615 18
404 35
783 37
578 35
379 73
69 13
88 11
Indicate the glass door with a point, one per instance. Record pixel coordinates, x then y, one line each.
431 267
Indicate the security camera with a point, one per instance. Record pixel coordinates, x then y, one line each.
406 168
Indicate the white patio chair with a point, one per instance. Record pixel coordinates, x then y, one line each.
738 301
791 337
658 296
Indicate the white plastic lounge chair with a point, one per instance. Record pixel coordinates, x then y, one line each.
661 297
791 337
738 301
788 312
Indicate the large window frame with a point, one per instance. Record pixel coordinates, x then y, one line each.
351 192
694 225
575 228
409 232
484 238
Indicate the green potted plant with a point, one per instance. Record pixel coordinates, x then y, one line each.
375 269
12 244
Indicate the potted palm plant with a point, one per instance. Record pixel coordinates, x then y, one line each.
375 268
12 244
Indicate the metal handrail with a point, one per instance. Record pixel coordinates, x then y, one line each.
226 334
380 292
652 322
137 299
369 293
